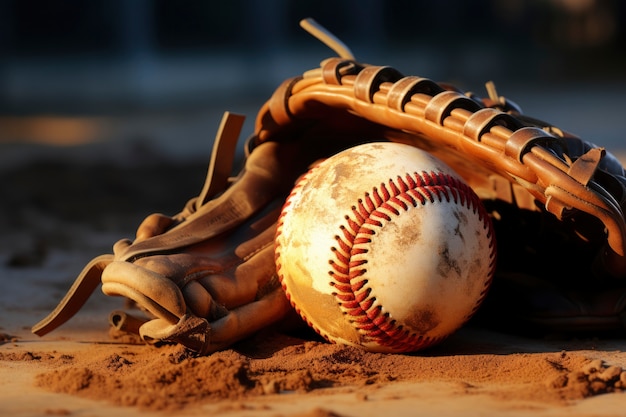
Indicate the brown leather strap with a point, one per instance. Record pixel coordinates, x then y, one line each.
78 294
222 157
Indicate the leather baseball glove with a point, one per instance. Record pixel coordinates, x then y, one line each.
206 277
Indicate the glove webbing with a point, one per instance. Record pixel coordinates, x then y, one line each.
435 118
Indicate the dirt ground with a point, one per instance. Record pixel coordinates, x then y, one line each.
56 215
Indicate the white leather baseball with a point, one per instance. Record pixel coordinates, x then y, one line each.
383 246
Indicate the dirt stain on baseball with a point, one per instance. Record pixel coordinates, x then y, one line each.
410 236
462 222
448 265
422 319
340 171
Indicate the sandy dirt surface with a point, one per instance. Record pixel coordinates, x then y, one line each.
55 216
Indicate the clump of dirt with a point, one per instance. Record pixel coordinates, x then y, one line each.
592 377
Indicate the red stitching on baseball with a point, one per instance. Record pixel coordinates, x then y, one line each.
353 294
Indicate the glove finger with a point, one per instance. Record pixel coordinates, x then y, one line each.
243 284
154 224
190 331
159 295
200 301
242 322
120 246
198 335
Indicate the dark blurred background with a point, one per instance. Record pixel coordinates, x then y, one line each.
93 92
190 60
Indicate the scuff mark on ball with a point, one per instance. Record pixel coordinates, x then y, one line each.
423 319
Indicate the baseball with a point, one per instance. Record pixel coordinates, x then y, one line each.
385 247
